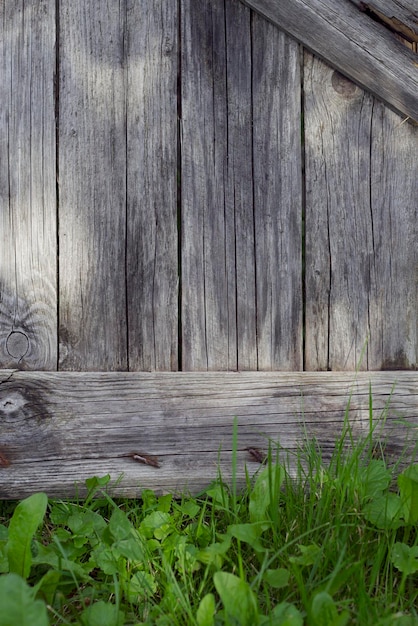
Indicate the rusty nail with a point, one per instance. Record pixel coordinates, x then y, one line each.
257 455
4 461
145 459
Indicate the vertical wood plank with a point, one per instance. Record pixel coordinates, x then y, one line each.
206 304
28 300
152 241
393 308
92 189
361 260
239 183
236 67
278 197
339 237
218 290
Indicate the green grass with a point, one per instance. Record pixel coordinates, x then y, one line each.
336 544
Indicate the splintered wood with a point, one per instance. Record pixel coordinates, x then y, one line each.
400 16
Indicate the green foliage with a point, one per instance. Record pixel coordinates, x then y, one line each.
18 604
336 544
284 614
102 614
238 599
324 611
277 578
264 496
408 486
308 555
389 510
27 516
206 611
405 558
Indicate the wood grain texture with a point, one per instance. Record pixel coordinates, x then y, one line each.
401 16
241 192
239 196
394 203
353 43
152 238
277 171
28 290
208 341
92 186
58 428
361 206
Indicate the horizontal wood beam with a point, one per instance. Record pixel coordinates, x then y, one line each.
172 432
349 39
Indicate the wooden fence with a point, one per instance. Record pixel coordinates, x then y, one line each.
187 194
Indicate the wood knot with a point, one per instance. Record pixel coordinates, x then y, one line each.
17 344
12 403
343 86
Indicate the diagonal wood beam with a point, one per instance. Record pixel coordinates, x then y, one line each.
171 432
398 15
348 39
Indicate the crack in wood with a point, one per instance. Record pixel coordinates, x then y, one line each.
391 22
9 378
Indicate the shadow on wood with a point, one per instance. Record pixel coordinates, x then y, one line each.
57 429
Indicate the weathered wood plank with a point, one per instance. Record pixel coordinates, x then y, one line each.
277 171
239 204
339 227
92 186
58 428
241 253
394 204
28 294
361 225
152 238
216 190
401 16
353 43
